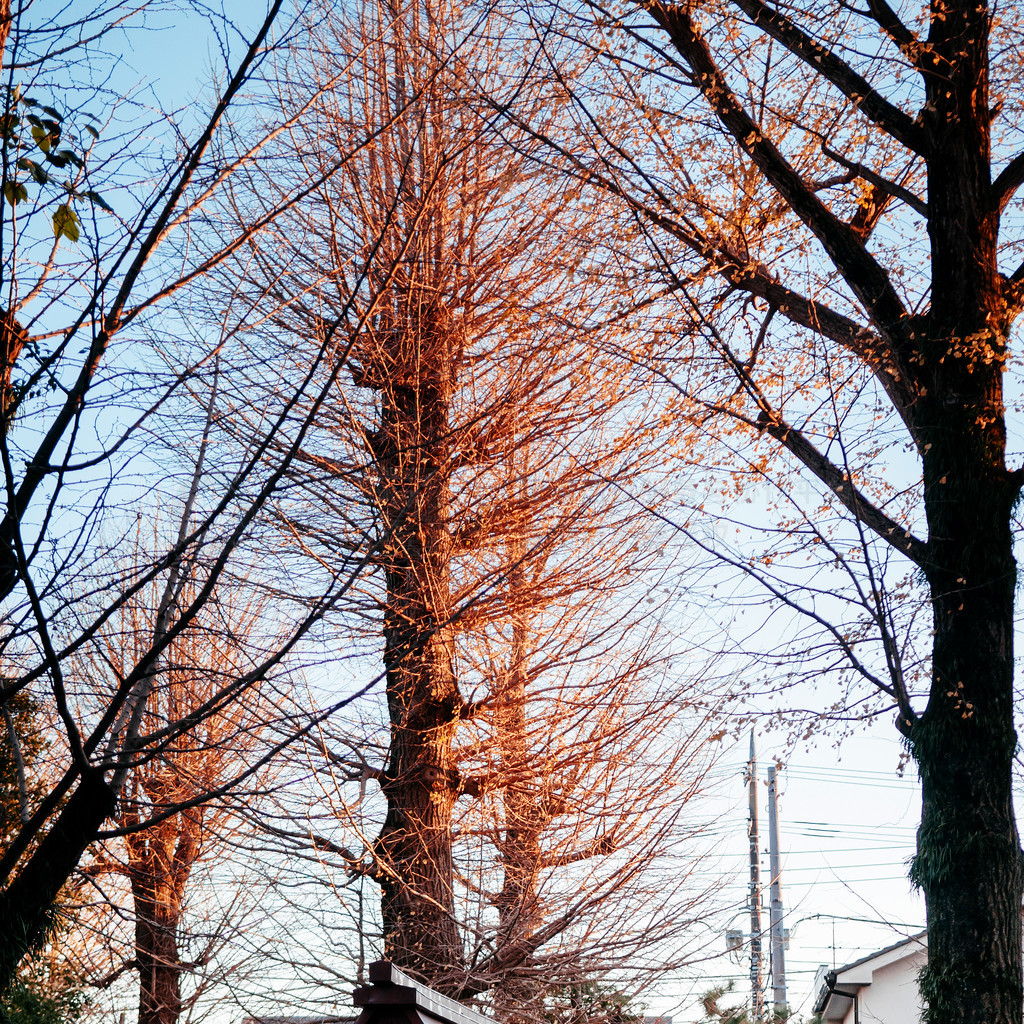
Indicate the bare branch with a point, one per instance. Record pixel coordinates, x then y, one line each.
857 89
883 184
861 271
1010 178
843 488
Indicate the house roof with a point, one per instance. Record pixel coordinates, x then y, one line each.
912 942
858 974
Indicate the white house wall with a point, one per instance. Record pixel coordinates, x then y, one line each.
892 997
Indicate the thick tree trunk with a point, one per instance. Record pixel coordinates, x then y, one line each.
968 862
26 903
157 916
414 847
415 374
160 860
159 966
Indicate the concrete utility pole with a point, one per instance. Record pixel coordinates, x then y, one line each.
775 905
756 982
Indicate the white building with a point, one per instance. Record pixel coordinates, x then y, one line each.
877 989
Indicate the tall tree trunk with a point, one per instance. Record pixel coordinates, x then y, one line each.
524 818
156 948
969 859
415 374
160 861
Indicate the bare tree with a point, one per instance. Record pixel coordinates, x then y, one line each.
471 448
90 378
163 832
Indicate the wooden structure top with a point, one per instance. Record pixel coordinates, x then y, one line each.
395 998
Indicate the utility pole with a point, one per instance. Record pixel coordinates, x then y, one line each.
756 982
775 906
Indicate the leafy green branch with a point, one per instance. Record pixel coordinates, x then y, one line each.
36 135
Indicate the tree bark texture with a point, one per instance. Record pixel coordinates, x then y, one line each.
968 862
160 860
26 903
414 370
525 817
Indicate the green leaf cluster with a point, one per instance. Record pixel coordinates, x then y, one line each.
15 192
35 134
715 1013
66 223
31 1003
